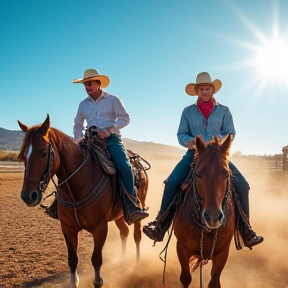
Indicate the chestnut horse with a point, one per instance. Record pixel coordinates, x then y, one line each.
204 224
88 195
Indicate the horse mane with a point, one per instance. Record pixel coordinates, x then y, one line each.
212 149
58 135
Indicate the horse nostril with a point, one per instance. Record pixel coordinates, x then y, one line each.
207 216
221 216
34 196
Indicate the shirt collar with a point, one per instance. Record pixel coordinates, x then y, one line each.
103 95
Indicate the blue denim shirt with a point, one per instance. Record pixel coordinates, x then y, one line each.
193 123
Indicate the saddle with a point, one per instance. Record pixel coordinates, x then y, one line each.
98 146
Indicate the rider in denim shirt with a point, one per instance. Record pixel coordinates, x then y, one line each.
206 118
193 123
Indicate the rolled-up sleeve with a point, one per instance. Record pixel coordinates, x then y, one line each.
78 124
122 117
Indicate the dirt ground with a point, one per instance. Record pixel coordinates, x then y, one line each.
33 252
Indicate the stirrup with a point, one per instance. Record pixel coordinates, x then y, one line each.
154 231
137 215
255 240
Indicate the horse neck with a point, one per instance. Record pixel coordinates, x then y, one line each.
70 156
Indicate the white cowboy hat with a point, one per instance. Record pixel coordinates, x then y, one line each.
92 74
203 78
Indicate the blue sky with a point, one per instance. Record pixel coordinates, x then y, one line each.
150 50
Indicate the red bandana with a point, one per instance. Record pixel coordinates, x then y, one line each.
205 107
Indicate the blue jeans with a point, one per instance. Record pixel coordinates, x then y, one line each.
180 172
120 158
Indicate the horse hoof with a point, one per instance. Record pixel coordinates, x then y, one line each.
98 283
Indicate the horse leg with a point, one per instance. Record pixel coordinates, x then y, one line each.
137 238
71 239
184 257
218 263
99 238
124 231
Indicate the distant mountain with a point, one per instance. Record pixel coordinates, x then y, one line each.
153 150
12 140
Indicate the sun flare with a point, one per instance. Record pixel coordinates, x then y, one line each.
271 60
267 63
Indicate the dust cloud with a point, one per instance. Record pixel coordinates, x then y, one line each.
264 266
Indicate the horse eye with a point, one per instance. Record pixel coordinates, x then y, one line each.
44 154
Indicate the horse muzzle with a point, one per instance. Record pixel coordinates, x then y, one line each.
32 198
212 219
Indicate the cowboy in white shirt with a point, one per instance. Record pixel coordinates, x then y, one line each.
107 113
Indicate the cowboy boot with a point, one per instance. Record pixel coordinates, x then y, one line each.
250 238
156 229
133 210
137 215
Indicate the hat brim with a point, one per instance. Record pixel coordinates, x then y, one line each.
105 81
190 88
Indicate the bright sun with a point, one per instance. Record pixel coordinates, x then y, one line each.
271 60
269 57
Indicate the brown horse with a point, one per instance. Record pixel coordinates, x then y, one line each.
88 195
204 224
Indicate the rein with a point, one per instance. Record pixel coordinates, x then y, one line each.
47 176
71 174
96 191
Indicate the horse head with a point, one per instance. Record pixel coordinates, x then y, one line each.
39 159
212 176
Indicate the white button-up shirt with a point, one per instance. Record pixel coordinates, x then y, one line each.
106 111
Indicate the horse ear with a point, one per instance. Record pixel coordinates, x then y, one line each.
200 144
44 128
23 127
226 144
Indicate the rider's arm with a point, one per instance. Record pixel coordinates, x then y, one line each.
228 125
184 136
78 125
122 117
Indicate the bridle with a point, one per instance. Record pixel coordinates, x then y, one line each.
198 220
197 208
47 175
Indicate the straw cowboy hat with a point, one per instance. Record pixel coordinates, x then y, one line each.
92 74
203 78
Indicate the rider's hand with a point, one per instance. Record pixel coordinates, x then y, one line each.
191 144
104 133
77 141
